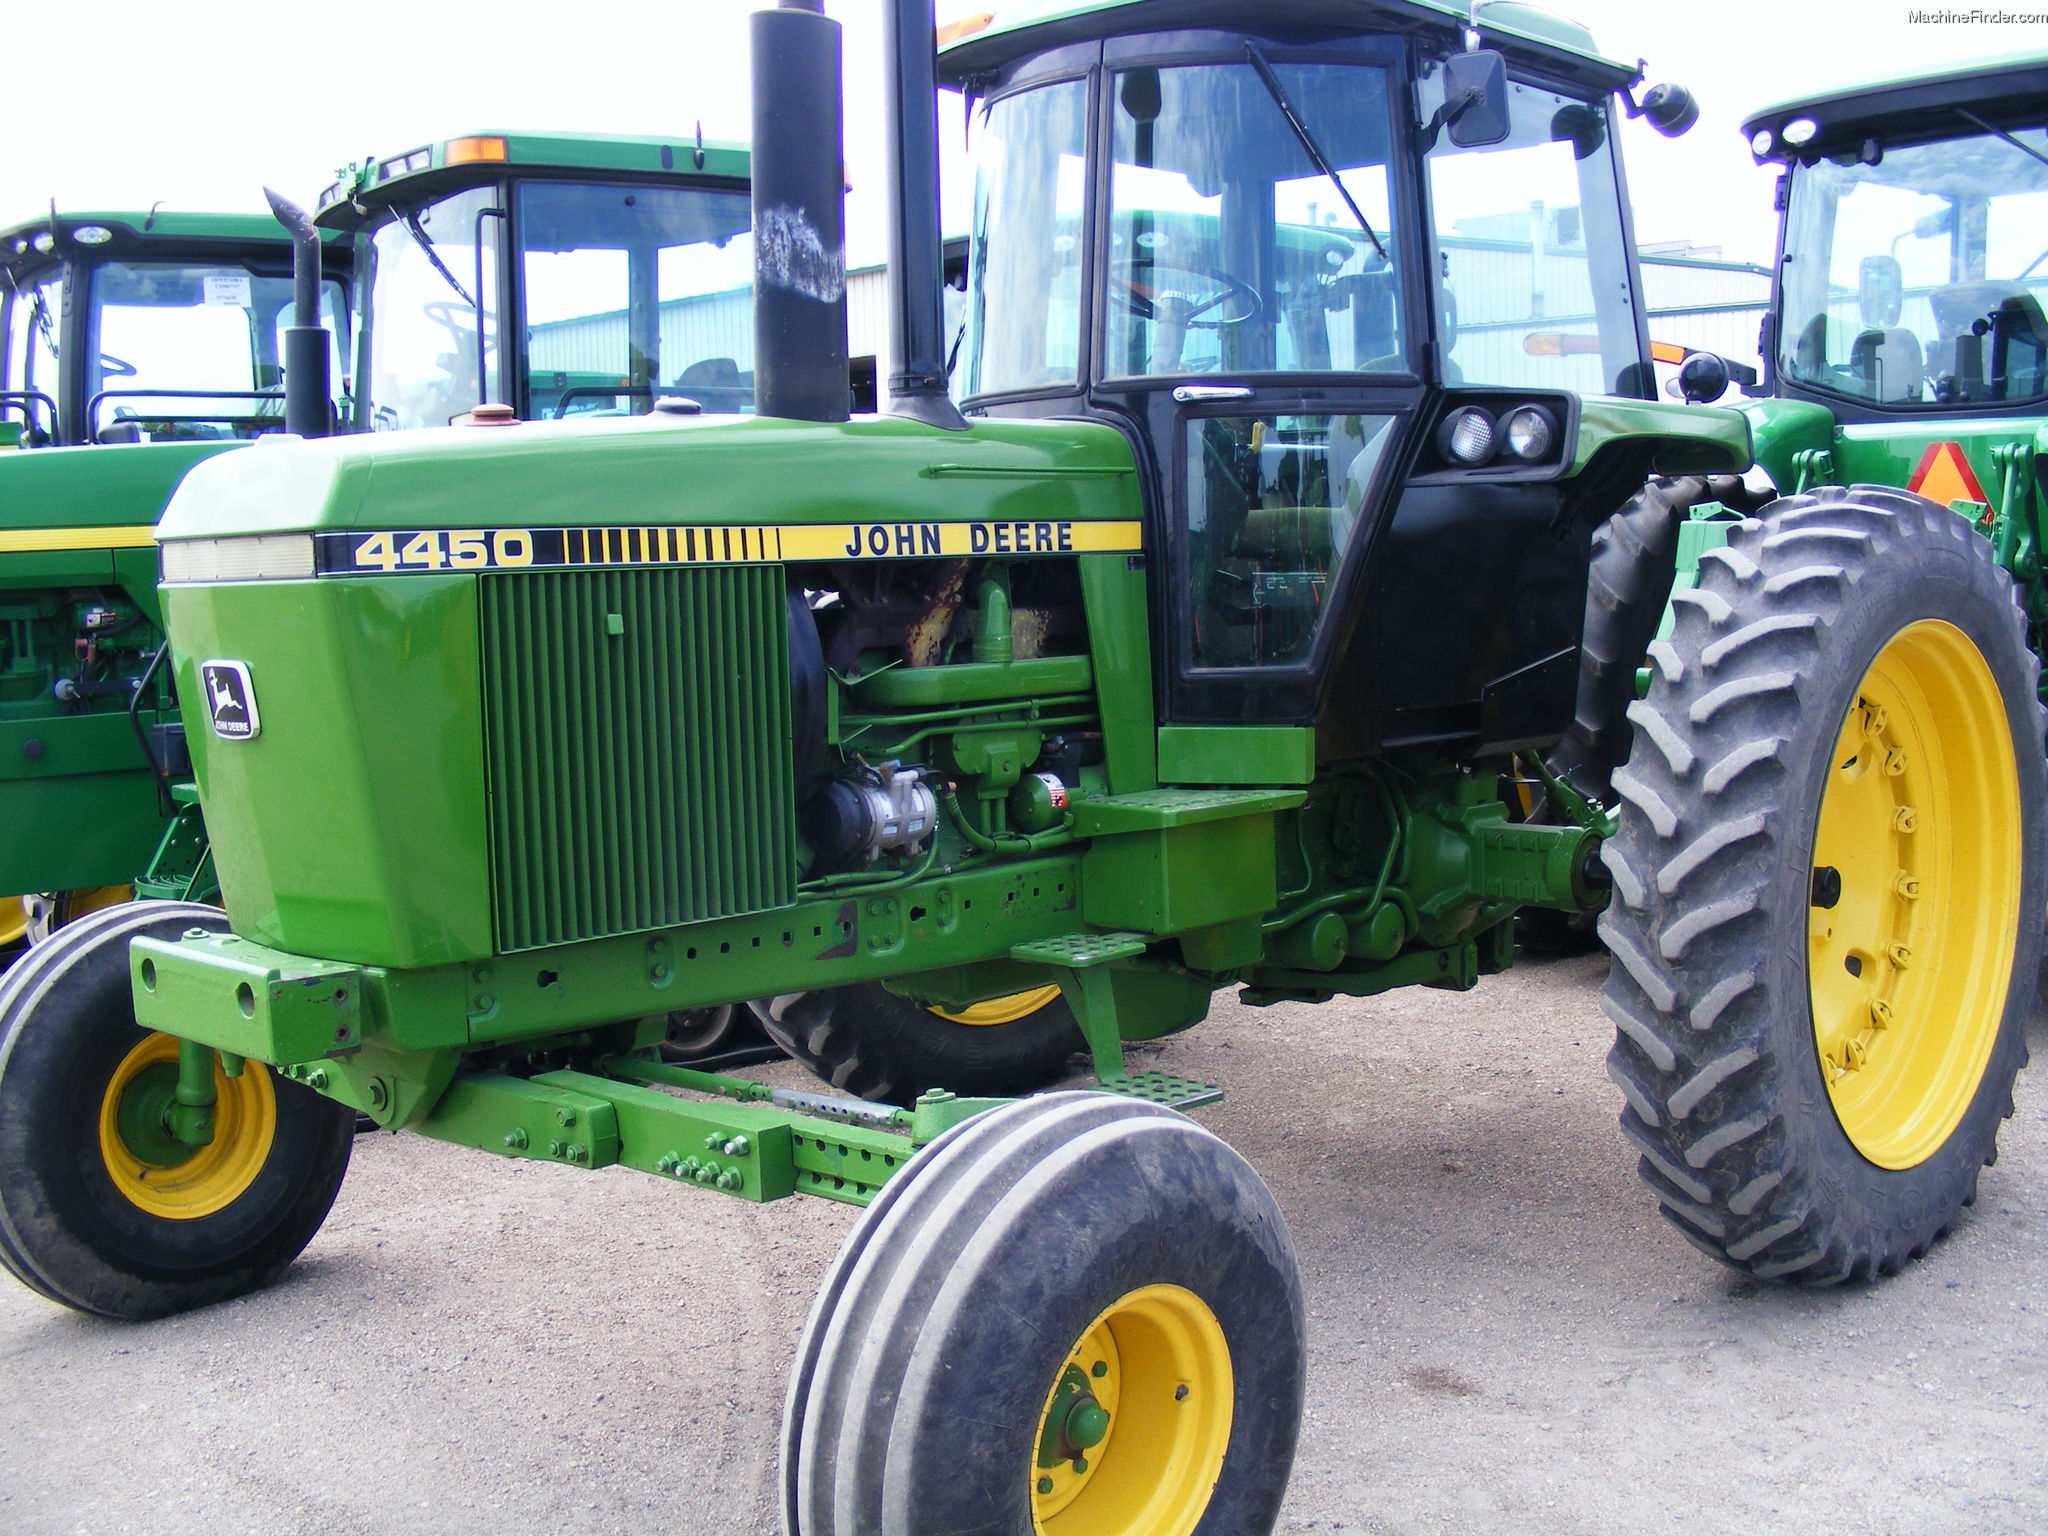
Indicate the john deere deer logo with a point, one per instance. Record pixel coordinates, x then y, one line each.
230 699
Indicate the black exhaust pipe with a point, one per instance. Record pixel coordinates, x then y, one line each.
308 405
917 385
799 175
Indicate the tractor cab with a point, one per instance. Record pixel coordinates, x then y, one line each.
1342 286
1914 259
145 327
622 268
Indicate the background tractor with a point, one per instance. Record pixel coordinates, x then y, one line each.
1196 646
158 327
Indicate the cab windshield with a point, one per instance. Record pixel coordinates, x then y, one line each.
1919 280
191 350
1229 250
636 292
625 293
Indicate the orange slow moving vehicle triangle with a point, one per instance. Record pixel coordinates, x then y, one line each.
1943 475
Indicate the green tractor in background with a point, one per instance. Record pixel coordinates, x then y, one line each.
164 328
1202 644
1857 646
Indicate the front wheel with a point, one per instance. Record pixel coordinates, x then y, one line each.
1829 881
101 1209
867 1040
1070 1316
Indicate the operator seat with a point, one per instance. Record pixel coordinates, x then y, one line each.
1888 364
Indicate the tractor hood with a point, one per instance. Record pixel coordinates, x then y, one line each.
703 470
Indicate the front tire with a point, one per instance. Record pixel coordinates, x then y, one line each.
1829 882
98 1211
867 1040
1074 1314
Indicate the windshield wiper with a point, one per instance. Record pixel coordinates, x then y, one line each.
425 242
1993 128
1271 82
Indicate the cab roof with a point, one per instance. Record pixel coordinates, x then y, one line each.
133 229
1527 33
454 161
2005 88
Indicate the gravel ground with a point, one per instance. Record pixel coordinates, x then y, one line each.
1504 1336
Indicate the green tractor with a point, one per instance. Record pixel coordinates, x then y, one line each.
161 328
170 331
1205 642
1828 913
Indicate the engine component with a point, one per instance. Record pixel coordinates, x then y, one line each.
869 812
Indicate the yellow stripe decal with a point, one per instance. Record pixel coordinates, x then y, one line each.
76 538
396 550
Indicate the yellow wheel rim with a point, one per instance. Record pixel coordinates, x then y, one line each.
95 899
1002 1010
208 1178
1915 895
13 920
1136 1422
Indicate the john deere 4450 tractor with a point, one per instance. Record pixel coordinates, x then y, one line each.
1197 647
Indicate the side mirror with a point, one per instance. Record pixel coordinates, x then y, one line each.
1703 378
1476 98
1670 109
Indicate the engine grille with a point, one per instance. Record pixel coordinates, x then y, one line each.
637 742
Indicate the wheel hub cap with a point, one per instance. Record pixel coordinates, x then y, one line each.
1132 1436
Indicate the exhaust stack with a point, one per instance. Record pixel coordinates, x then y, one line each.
308 404
799 176
917 386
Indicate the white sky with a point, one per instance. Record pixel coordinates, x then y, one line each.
200 106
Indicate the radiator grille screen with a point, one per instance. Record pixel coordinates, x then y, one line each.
637 740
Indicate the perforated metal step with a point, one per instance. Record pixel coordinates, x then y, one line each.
1078 951
1164 1088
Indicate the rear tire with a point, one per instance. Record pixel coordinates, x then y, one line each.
866 1040
91 1222
1828 886
1065 1259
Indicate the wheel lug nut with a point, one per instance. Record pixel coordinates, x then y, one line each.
1899 955
1895 762
1908 887
1905 819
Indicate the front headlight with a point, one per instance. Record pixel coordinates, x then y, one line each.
1466 437
1531 432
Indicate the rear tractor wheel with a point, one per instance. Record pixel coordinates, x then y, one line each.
46 914
1070 1316
102 1207
1828 886
13 927
867 1040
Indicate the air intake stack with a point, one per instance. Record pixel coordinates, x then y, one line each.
917 385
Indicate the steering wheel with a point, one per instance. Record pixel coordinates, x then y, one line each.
115 368
457 319
1142 300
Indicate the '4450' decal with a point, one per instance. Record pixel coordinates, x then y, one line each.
482 549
